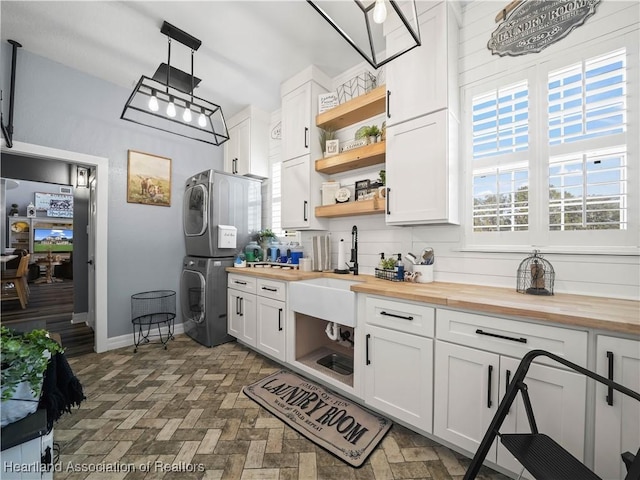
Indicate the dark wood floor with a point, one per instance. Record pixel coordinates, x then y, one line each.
51 307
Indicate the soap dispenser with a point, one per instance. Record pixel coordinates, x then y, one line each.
381 263
400 267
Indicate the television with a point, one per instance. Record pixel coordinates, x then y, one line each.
52 239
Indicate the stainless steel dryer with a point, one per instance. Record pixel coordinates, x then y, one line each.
203 298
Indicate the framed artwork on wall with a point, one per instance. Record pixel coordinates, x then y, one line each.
148 179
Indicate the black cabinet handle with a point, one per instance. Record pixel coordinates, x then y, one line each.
241 307
388 104
237 305
507 385
306 137
395 315
610 377
366 349
304 209
239 282
388 200
279 319
504 337
269 289
489 402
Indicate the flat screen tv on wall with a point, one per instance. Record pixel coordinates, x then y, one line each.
52 239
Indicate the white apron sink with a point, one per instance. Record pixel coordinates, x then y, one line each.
327 298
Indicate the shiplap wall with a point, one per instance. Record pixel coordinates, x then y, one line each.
600 275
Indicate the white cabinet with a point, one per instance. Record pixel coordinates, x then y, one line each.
422 170
301 193
471 379
299 131
246 151
424 79
617 417
241 308
271 318
398 370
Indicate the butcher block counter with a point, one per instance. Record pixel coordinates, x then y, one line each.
603 313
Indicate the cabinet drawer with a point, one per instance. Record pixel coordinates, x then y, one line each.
242 283
401 316
272 289
511 337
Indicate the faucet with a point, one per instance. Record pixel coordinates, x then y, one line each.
354 250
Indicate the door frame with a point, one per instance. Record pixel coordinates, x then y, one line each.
101 165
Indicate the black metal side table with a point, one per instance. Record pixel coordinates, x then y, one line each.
157 308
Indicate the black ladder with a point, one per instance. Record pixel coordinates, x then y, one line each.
543 457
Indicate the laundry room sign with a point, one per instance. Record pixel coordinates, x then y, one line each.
529 26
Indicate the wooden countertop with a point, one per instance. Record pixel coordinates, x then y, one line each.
573 310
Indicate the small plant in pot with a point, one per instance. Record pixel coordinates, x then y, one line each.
372 133
24 360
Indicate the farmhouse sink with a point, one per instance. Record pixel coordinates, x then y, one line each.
327 298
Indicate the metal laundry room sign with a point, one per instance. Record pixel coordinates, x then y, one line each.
533 25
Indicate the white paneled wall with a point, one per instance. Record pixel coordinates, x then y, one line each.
600 275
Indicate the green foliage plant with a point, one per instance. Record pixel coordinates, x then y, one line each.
264 235
326 134
22 358
373 131
388 263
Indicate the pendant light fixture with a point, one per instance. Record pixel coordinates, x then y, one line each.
364 24
155 102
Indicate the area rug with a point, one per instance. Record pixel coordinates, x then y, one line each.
340 426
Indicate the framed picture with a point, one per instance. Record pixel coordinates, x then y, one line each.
326 101
332 147
148 179
55 204
362 189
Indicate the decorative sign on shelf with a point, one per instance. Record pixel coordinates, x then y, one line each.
533 25
326 101
55 204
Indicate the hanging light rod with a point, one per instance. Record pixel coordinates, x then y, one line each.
167 102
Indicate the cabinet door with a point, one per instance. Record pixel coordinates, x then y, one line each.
296 207
237 157
393 381
296 122
558 399
419 179
617 415
271 327
417 81
465 395
241 316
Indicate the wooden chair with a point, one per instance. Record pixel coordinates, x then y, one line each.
14 285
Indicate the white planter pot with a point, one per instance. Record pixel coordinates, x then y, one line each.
24 403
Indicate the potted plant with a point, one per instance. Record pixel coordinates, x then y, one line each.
326 134
24 360
265 237
14 210
372 133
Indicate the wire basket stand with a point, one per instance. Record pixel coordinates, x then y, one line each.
535 275
157 308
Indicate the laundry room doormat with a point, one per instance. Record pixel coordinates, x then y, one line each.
340 426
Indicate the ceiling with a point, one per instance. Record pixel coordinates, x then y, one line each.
248 47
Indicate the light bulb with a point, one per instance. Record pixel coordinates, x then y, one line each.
379 12
153 103
202 120
171 108
186 116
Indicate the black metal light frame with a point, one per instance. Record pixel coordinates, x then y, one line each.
170 84
371 59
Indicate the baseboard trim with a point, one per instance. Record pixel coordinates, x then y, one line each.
122 341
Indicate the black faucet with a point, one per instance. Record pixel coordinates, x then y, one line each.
354 250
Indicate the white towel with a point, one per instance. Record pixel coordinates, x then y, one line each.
321 253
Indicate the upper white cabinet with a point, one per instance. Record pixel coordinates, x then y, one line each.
301 193
422 170
246 151
425 79
617 427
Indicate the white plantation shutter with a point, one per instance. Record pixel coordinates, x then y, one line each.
501 199
276 198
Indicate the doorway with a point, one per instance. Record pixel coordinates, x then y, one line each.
97 234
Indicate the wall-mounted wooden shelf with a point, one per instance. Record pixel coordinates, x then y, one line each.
355 110
372 154
363 207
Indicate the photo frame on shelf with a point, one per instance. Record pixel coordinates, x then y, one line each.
332 147
148 179
362 189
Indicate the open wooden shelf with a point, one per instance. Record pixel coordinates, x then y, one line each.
355 110
372 154
363 207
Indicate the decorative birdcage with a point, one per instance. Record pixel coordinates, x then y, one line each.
535 275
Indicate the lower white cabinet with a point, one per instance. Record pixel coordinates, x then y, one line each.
617 419
241 308
270 317
470 383
398 375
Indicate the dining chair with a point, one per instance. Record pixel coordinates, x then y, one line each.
14 285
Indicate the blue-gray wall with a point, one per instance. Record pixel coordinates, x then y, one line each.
59 107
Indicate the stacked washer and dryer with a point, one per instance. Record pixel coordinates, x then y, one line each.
221 212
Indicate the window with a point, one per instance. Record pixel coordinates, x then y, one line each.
276 198
549 155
